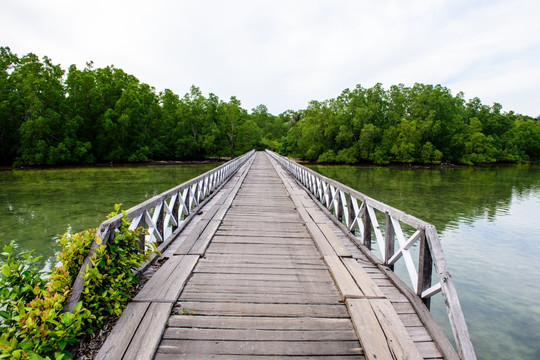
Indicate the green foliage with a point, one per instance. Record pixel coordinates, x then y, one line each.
33 324
49 116
424 124
109 282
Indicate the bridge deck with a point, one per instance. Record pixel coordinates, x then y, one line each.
264 274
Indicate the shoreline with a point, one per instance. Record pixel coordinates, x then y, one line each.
213 161
222 160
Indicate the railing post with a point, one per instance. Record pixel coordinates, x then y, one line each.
142 235
160 223
425 269
388 240
175 210
366 238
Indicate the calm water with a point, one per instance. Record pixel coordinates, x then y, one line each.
488 220
489 224
37 205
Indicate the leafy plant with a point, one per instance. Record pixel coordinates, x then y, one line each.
33 324
109 282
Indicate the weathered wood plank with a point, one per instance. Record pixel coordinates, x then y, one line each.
204 239
169 280
278 284
162 356
368 329
271 348
364 282
419 334
400 342
263 288
259 335
268 240
146 340
320 240
212 268
261 297
260 264
336 243
344 281
251 233
120 337
255 249
261 323
274 310
429 350
317 278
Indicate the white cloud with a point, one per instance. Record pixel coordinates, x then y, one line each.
285 53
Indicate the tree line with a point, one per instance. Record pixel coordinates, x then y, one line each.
52 116
423 124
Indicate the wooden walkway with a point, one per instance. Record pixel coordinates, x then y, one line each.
263 273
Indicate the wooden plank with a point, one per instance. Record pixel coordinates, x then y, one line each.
255 249
259 335
162 356
316 218
362 279
120 337
260 323
393 294
269 240
169 280
410 319
320 240
204 239
261 297
210 268
262 289
262 265
317 278
263 227
344 281
429 350
269 348
368 330
319 285
419 334
147 338
251 233
191 238
336 243
274 310
400 342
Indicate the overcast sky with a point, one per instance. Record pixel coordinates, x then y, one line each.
285 53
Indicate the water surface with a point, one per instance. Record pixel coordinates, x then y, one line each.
38 205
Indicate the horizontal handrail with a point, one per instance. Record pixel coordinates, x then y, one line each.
358 213
161 216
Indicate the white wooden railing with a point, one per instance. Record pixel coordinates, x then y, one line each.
162 216
361 215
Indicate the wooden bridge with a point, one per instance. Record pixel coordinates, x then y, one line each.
259 266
